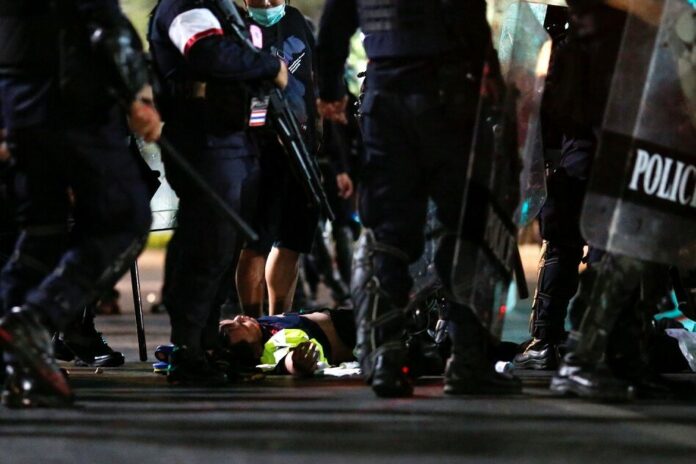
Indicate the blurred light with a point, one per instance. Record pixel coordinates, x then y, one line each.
542 67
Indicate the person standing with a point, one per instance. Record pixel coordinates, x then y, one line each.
419 111
205 105
70 73
285 220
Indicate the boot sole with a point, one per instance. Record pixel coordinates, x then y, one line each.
564 387
389 391
54 381
108 361
535 365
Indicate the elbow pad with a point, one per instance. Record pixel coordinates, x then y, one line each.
116 43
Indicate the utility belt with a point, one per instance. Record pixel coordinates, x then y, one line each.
211 107
443 74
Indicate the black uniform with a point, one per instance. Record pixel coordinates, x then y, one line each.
418 115
606 360
206 112
577 91
58 65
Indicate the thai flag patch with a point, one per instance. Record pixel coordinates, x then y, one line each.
259 111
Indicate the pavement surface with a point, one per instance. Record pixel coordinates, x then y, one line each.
129 415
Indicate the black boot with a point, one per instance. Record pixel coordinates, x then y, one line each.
538 355
23 335
590 381
22 390
390 372
380 345
469 371
557 283
189 367
87 345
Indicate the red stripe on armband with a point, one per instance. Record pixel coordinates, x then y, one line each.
201 35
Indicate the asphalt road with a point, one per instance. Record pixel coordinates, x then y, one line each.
129 415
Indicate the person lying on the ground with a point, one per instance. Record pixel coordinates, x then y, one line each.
291 343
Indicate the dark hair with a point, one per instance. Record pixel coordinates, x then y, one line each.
242 355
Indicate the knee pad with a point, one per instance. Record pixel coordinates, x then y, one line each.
380 318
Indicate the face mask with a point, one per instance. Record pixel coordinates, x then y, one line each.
267 17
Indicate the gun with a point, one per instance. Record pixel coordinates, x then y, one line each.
303 166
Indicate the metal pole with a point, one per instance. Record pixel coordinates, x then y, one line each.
138 306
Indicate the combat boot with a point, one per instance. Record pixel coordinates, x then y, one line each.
188 367
538 355
23 335
380 337
87 345
590 381
390 372
21 390
469 371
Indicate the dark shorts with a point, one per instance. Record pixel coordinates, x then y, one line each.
284 218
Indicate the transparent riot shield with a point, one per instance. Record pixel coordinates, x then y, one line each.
505 179
164 203
524 53
641 200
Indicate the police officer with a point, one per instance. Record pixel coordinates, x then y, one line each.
419 109
206 112
68 70
578 87
607 360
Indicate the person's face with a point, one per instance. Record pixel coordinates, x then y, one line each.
244 329
264 3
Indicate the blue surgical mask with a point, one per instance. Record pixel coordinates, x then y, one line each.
267 17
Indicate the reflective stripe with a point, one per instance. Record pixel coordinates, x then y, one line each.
191 26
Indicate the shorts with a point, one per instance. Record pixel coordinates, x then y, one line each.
284 217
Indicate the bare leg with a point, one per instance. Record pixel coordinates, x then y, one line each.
281 278
251 284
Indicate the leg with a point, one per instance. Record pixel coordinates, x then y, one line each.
582 371
469 370
392 208
201 253
281 277
251 282
112 218
558 270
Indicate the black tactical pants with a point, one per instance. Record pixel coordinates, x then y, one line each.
416 148
560 228
200 256
89 176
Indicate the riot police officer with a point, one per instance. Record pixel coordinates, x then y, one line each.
419 110
578 86
68 70
607 359
206 111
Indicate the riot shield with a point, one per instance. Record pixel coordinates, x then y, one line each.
164 203
641 199
524 51
505 179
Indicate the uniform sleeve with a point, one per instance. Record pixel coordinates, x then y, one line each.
199 37
116 42
338 23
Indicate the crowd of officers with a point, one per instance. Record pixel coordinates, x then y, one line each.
72 75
